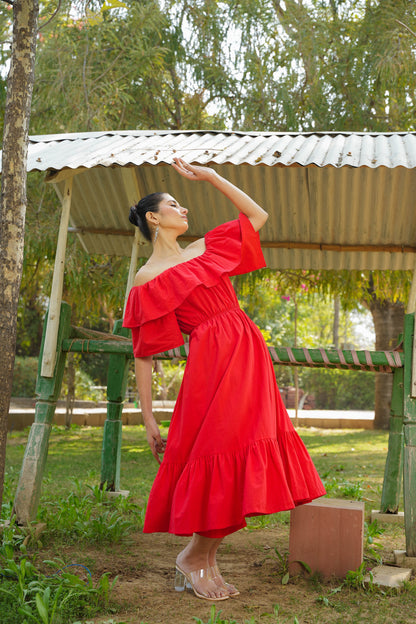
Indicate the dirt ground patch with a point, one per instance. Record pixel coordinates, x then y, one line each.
144 592
146 577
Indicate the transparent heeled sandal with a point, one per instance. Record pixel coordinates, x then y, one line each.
215 573
187 580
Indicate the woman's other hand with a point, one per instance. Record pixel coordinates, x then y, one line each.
156 443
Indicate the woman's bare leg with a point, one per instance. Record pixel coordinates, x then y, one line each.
212 559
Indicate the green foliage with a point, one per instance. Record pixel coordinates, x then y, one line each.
24 381
85 389
336 389
91 518
306 66
356 578
24 376
115 66
167 379
215 617
339 487
28 595
373 531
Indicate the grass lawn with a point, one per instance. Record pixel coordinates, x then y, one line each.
83 541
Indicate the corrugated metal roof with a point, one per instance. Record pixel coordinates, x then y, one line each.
91 149
336 200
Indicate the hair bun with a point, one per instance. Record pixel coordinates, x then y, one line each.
134 218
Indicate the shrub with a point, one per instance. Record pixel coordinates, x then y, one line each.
85 389
339 389
24 376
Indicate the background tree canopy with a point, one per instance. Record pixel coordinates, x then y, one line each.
345 65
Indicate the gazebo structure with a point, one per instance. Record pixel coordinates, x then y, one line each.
336 201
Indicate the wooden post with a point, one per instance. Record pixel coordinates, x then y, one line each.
411 304
134 193
133 265
116 390
409 457
49 350
48 389
393 471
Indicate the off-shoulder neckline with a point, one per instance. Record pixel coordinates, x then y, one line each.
170 268
190 259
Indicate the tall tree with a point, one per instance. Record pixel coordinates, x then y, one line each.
118 67
13 196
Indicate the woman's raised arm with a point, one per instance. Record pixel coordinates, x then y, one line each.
241 200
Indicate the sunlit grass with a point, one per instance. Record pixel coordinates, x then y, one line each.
351 462
79 517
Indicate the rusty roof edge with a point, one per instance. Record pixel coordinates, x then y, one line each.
73 136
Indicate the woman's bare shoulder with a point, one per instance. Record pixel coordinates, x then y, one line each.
196 247
152 268
145 274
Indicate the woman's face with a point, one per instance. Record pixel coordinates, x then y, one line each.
172 215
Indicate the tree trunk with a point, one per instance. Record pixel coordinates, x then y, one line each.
13 196
388 318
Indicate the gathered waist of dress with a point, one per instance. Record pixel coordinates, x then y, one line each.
215 315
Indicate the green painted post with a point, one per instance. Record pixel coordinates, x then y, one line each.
116 390
34 460
409 457
393 471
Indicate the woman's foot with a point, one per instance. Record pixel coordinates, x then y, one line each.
194 566
218 579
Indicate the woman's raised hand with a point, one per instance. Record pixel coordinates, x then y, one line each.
256 215
192 172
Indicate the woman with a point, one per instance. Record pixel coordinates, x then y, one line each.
232 451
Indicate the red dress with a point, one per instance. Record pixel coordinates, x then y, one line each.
232 451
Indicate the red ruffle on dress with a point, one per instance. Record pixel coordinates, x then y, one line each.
232 451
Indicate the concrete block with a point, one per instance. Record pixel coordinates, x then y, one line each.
78 419
327 535
387 518
95 419
122 493
389 576
134 418
59 419
401 559
19 421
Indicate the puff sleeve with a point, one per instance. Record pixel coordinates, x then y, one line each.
237 246
152 331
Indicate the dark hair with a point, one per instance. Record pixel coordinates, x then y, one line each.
137 215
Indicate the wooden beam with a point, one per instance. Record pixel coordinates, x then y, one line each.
267 244
63 174
338 247
104 231
295 356
49 351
